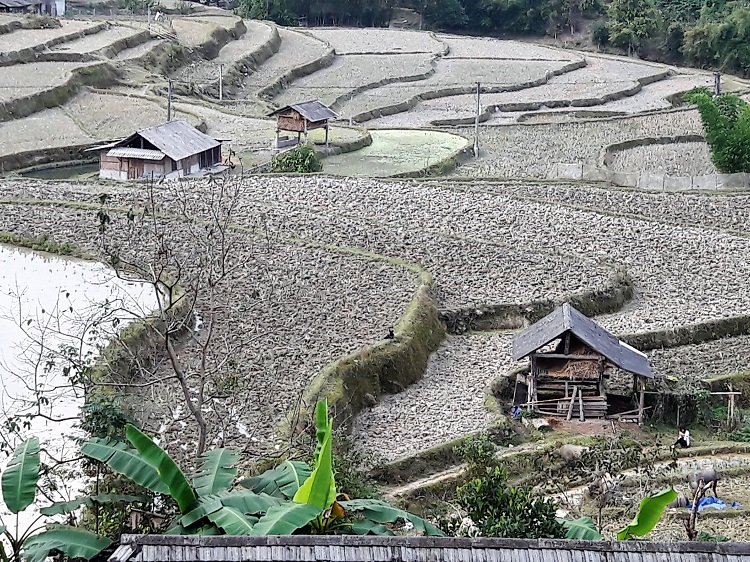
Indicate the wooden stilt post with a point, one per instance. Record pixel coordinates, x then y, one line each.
572 403
326 135
581 417
530 394
641 400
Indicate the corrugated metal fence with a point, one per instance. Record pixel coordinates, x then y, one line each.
165 548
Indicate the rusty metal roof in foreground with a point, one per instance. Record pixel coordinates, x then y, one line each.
566 318
348 548
313 110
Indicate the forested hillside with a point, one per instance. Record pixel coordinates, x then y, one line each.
704 33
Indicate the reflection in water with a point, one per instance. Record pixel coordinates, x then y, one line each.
50 308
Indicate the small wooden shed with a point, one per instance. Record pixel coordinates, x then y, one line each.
170 151
571 358
300 118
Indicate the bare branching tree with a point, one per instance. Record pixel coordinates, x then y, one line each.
187 255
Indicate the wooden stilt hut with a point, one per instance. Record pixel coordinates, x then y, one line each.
571 356
301 118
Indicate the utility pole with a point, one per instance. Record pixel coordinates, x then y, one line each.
221 82
169 101
476 125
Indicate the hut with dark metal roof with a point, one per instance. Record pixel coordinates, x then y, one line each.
24 6
300 118
349 548
170 151
571 358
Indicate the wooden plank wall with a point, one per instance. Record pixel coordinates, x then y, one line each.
155 548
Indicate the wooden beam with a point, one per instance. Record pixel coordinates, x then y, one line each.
572 402
641 401
567 356
581 417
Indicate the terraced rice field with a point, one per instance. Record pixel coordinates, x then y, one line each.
334 267
98 41
394 153
379 41
513 151
296 50
21 39
195 31
46 129
23 80
351 72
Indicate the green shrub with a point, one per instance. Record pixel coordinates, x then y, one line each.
742 434
478 452
726 121
301 160
500 510
600 34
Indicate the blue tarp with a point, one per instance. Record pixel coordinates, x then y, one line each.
713 503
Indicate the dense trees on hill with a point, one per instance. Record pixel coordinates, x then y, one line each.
364 13
705 33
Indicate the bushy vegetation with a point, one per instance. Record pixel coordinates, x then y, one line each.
726 120
496 509
301 160
374 13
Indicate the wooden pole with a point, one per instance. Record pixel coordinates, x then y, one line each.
476 125
581 417
642 400
572 402
169 101
221 82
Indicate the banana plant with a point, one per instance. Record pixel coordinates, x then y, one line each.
327 511
205 504
291 498
35 543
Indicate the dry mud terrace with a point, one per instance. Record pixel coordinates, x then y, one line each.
307 293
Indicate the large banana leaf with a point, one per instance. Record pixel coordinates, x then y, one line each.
280 482
216 471
71 541
381 512
649 513
168 471
204 507
367 527
322 428
320 487
66 507
285 519
19 479
232 521
582 528
244 501
128 462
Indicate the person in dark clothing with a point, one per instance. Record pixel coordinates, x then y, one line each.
683 438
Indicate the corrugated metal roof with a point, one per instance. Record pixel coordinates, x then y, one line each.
313 110
566 318
176 139
349 548
140 153
19 3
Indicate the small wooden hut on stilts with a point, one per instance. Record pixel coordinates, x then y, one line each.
571 357
301 118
